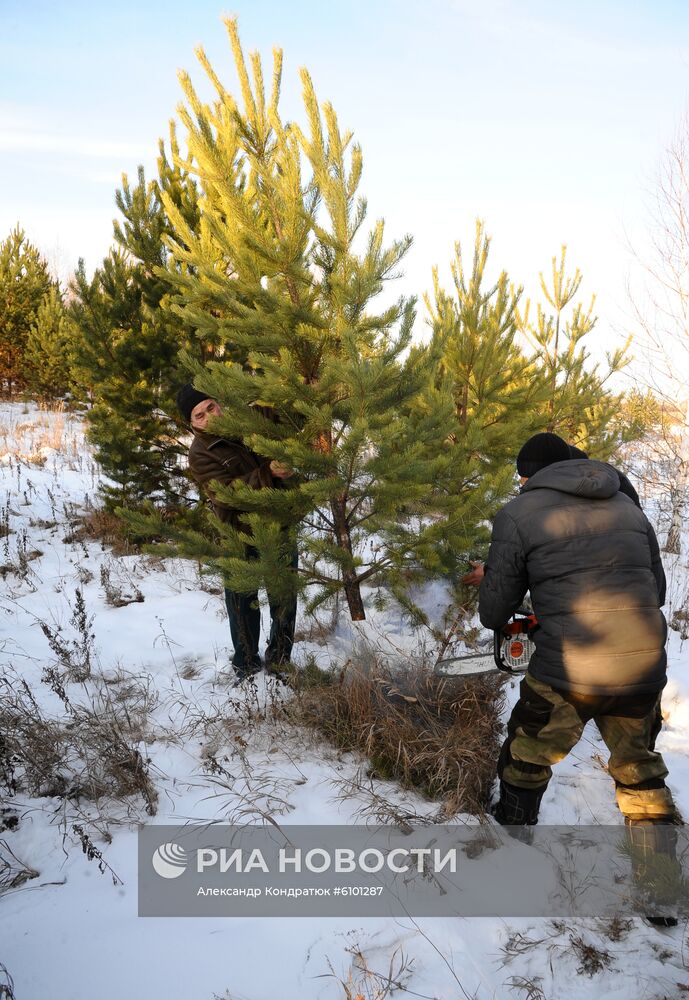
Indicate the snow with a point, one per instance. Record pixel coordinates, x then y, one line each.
71 934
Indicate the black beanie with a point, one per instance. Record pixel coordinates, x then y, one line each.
187 398
539 451
575 452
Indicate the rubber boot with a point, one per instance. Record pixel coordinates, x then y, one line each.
517 806
656 871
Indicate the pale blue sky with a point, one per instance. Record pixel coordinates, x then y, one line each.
545 119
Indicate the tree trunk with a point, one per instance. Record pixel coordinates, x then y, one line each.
673 543
553 379
463 408
349 578
353 594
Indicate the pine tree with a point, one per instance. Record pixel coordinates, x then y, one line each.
123 361
281 272
24 281
580 408
49 348
129 341
496 394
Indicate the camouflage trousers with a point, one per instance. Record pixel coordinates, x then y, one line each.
547 723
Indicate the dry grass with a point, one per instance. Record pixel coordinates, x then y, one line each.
617 928
529 988
437 735
520 944
13 872
88 753
6 984
76 652
592 959
364 983
118 592
100 525
94 853
26 436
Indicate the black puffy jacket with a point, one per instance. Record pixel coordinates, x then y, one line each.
591 561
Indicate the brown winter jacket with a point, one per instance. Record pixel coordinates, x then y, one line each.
213 458
590 559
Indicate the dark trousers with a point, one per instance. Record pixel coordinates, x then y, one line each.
245 627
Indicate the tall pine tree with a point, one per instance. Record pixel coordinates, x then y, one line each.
24 282
580 406
282 272
48 357
496 394
129 342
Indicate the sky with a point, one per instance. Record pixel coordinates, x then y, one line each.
546 120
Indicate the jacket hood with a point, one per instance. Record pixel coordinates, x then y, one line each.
579 477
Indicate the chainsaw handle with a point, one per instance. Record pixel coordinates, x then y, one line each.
497 652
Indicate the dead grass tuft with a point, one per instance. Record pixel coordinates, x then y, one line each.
89 753
13 872
592 959
617 928
99 525
530 988
365 983
437 735
117 593
6 984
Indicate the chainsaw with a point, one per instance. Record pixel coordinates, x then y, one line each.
513 647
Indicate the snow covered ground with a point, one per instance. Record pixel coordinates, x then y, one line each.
71 933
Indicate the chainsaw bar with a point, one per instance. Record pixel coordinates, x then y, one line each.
513 648
466 666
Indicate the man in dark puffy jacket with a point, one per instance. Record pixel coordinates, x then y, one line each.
625 485
590 559
629 491
213 459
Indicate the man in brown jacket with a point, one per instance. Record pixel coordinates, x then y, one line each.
215 459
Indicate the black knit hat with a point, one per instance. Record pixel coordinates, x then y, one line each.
575 452
187 398
539 451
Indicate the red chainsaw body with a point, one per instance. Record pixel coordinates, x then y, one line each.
514 645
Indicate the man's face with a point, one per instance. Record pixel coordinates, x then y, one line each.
202 413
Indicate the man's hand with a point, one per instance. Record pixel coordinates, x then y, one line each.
280 471
474 578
